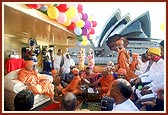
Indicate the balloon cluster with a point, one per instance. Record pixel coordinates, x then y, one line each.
72 16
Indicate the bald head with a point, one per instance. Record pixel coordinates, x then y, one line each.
69 101
105 72
122 86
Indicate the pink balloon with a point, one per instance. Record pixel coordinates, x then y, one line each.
94 23
91 30
80 8
62 18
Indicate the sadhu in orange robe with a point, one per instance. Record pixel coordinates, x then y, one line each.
124 61
38 83
106 83
75 85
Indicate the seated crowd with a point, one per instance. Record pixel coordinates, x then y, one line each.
138 87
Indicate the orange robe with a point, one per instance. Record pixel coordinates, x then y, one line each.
133 67
74 86
134 64
106 83
123 61
39 84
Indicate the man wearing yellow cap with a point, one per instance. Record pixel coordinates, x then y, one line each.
155 77
75 85
39 84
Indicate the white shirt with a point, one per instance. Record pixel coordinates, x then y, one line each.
67 64
57 61
142 68
157 76
128 105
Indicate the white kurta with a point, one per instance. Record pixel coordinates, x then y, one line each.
57 61
157 76
67 64
142 68
128 105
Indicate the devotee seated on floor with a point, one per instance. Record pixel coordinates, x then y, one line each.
75 85
111 69
121 91
155 78
90 76
66 78
121 73
38 83
105 82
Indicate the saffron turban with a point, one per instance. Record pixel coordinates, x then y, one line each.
75 71
119 42
54 71
155 50
121 71
135 55
28 63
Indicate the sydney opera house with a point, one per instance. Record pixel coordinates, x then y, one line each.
137 31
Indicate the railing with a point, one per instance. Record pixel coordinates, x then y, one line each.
98 60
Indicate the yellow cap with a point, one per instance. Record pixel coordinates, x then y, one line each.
155 50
